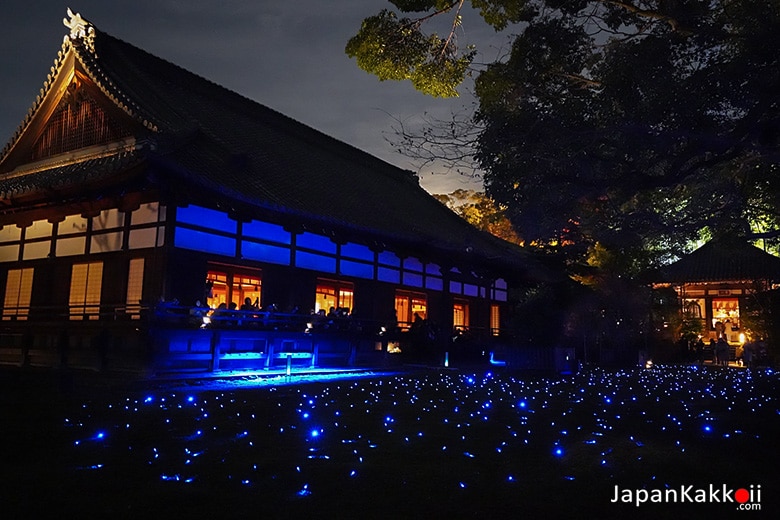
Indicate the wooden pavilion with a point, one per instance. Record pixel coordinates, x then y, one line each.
715 282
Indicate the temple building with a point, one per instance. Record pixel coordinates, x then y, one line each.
717 282
137 197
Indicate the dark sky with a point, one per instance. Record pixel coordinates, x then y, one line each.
288 55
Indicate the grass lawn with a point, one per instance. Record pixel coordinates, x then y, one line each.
428 444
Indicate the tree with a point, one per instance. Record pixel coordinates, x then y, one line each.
393 48
481 212
616 131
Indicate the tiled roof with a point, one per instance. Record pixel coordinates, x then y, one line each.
213 140
723 260
68 175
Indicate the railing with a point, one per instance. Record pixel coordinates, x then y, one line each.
170 336
88 312
256 319
174 314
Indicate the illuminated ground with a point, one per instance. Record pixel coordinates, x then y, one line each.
429 444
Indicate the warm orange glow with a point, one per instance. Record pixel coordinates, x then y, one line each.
409 304
495 319
18 290
333 294
460 315
725 310
232 288
86 282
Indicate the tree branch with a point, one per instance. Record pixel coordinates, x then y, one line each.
455 23
646 13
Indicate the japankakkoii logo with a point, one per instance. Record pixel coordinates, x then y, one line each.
746 498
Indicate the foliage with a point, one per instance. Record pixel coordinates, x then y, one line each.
691 327
615 132
396 49
481 212
756 315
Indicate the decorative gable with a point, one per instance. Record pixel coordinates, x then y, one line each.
79 121
78 115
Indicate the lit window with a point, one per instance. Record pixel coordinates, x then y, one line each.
218 289
725 317
18 289
332 293
10 233
72 224
147 214
135 286
226 287
38 229
85 285
108 219
495 320
244 287
407 305
460 316
692 308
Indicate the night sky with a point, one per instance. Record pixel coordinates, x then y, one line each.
286 55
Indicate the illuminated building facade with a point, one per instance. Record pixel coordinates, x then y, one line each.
136 193
714 283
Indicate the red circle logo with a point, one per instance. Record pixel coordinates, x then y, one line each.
741 495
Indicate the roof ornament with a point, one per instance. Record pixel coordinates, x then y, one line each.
79 27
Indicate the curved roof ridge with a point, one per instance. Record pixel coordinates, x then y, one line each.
88 57
81 42
54 71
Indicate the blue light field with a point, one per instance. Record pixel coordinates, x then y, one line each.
418 444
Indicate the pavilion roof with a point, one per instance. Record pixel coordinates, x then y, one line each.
718 260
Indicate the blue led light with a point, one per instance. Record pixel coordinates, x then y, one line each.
368 419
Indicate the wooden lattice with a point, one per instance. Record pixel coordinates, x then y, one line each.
78 122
